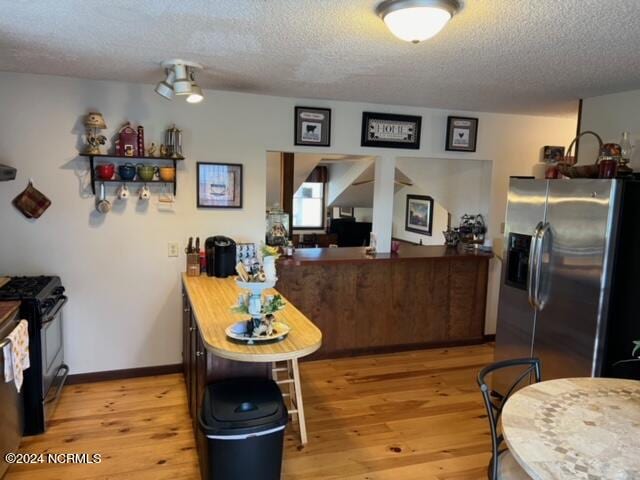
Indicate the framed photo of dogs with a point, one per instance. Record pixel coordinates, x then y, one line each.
313 126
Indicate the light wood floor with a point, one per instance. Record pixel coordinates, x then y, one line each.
413 415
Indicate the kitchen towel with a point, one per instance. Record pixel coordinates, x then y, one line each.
16 354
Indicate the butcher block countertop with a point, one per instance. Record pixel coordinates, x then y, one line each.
7 309
211 300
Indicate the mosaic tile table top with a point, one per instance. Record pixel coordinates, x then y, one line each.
578 428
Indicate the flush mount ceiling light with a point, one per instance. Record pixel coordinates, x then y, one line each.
180 80
416 20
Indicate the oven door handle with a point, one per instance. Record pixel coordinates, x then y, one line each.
61 302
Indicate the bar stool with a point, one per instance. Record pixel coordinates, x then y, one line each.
291 380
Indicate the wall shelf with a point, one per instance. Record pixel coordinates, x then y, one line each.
94 180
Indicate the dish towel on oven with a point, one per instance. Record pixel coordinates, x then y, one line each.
16 354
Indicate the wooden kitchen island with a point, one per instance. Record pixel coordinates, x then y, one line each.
209 356
423 296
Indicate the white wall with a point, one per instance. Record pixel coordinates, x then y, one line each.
609 116
342 175
274 179
124 308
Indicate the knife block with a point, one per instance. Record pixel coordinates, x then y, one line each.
193 264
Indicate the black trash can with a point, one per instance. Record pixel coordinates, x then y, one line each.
244 421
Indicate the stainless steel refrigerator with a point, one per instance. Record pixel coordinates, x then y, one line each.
570 269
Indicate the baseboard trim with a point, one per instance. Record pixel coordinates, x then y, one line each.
490 338
395 349
92 377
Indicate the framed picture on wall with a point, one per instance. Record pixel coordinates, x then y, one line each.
313 126
345 212
462 133
390 131
552 154
219 185
419 214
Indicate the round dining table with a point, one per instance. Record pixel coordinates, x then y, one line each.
576 428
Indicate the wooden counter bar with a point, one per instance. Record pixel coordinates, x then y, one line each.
422 296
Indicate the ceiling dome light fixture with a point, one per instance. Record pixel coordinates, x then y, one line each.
180 80
417 20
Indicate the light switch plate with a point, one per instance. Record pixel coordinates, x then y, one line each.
173 250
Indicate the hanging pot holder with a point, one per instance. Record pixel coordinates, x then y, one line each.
31 202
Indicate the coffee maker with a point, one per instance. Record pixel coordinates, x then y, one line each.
221 256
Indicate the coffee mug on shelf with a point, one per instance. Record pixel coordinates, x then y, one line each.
146 172
123 192
105 171
167 174
127 172
144 193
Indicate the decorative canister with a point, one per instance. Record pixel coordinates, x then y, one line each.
177 146
128 138
170 140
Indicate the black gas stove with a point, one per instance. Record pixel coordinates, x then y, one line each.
42 300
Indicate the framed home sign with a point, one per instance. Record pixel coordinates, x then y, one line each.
313 126
419 214
219 185
462 133
390 131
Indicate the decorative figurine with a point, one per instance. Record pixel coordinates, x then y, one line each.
94 122
152 150
164 151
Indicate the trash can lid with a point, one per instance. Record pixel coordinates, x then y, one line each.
242 406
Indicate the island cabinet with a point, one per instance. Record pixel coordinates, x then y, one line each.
424 296
209 356
201 367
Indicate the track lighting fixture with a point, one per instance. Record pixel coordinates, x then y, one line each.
165 87
196 92
180 80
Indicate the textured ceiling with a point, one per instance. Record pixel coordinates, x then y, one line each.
519 56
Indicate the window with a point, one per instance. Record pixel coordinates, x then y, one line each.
308 206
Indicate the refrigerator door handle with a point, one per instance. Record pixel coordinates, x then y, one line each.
533 262
542 235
